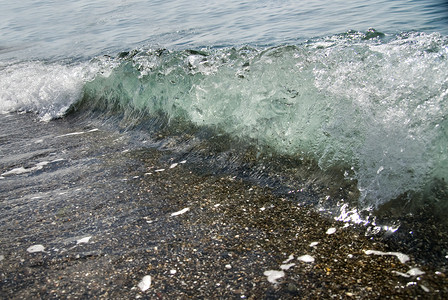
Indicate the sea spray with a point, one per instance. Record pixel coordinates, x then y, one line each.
45 88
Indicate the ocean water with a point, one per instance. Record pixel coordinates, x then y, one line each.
353 92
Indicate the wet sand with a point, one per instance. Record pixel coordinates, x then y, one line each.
103 215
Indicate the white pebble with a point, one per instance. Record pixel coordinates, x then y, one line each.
145 283
291 257
415 272
36 248
182 211
273 276
287 266
406 275
331 230
424 288
381 168
228 267
306 258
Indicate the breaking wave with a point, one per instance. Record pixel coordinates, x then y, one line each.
371 105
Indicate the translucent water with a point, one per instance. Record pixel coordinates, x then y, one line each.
376 109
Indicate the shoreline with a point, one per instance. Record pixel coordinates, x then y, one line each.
107 215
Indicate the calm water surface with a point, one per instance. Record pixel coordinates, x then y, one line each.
84 28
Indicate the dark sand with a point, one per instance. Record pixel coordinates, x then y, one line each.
98 185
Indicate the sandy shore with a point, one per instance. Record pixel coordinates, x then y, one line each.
98 218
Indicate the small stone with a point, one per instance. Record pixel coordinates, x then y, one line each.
273 276
36 248
306 258
292 288
145 284
331 230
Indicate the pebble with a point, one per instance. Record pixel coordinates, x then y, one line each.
306 258
331 230
35 248
145 284
273 275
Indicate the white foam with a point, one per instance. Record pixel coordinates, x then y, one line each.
145 284
159 170
273 275
351 216
403 258
71 134
84 240
182 211
35 248
58 160
22 170
16 171
44 88
306 258
173 165
41 164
